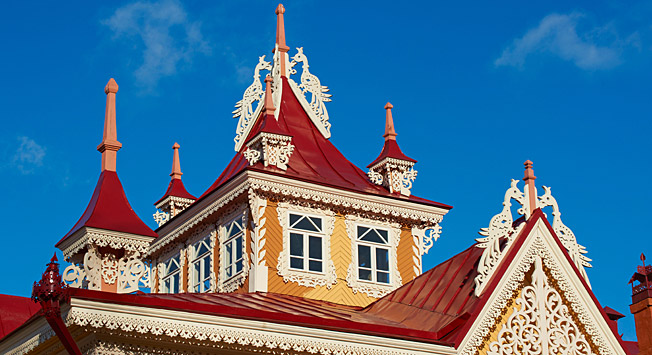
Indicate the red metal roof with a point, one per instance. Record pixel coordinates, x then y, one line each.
109 209
176 189
391 150
315 159
14 311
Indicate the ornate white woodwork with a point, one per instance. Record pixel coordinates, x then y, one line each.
245 111
498 237
233 283
200 233
307 278
318 93
373 289
273 149
540 323
395 174
170 207
86 236
130 272
427 236
258 276
567 237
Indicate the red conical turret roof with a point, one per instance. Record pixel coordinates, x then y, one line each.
176 188
391 148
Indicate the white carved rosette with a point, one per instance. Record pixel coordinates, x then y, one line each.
273 149
395 174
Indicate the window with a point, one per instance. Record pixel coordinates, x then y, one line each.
200 266
172 275
373 254
233 248
306 243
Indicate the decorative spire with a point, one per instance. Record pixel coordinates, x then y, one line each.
176 166
269 102
110 145
390 133
280 38
531 192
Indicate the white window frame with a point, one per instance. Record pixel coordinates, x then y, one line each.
373 246
167 275
199 278
305 237
304 277
373 288
233 282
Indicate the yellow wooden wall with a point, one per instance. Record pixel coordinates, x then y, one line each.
341 254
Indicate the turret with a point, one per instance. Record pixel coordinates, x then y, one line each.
641 306
105 245
392 168
176 197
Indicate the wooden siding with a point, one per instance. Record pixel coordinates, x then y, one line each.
404 255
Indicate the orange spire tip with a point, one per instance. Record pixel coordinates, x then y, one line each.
111 87
280 9
176 165
390 133
529 172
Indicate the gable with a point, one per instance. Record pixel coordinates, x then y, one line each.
539 293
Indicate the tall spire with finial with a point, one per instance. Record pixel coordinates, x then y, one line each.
280 38
110 145
269 101
390 133
176 166
531 190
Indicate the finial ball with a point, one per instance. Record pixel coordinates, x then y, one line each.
280 9
389 106
642 257
176 146
111 87
268 79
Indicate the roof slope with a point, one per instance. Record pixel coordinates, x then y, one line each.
315 159
109 209
14 311
176 189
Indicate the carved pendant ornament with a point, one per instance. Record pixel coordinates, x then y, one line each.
273 149
394 174
498 236
540 323
249 108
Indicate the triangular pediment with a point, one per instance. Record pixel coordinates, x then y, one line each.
538 303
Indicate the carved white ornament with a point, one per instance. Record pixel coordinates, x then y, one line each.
307 278
161 217
239 279
498 237
245 110
275 150
576 251
170 207
318 93
373 289
130 272
310 84
103 238
540 323
395 174
258 276
580 302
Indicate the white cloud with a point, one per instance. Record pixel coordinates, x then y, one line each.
28 156
557 35
164 34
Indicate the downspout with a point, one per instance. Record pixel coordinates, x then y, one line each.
49 293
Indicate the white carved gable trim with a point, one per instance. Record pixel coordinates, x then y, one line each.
498 236
373 289
306 278
103 237
541 244
245 111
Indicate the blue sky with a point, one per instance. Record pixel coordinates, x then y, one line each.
477 89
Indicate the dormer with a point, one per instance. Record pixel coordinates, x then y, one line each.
176 197
106 244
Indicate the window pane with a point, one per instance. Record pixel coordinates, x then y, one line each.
207 268
228 271
364 256
383 234
314 265
294 218
235 228
196 268
207 285
172 266
382 259
296 263
238 248
174 286
228 254
373 236
362 231
305 224
365 274
316 221
382 277
296 244
202 248
314 247
238 266
166 285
